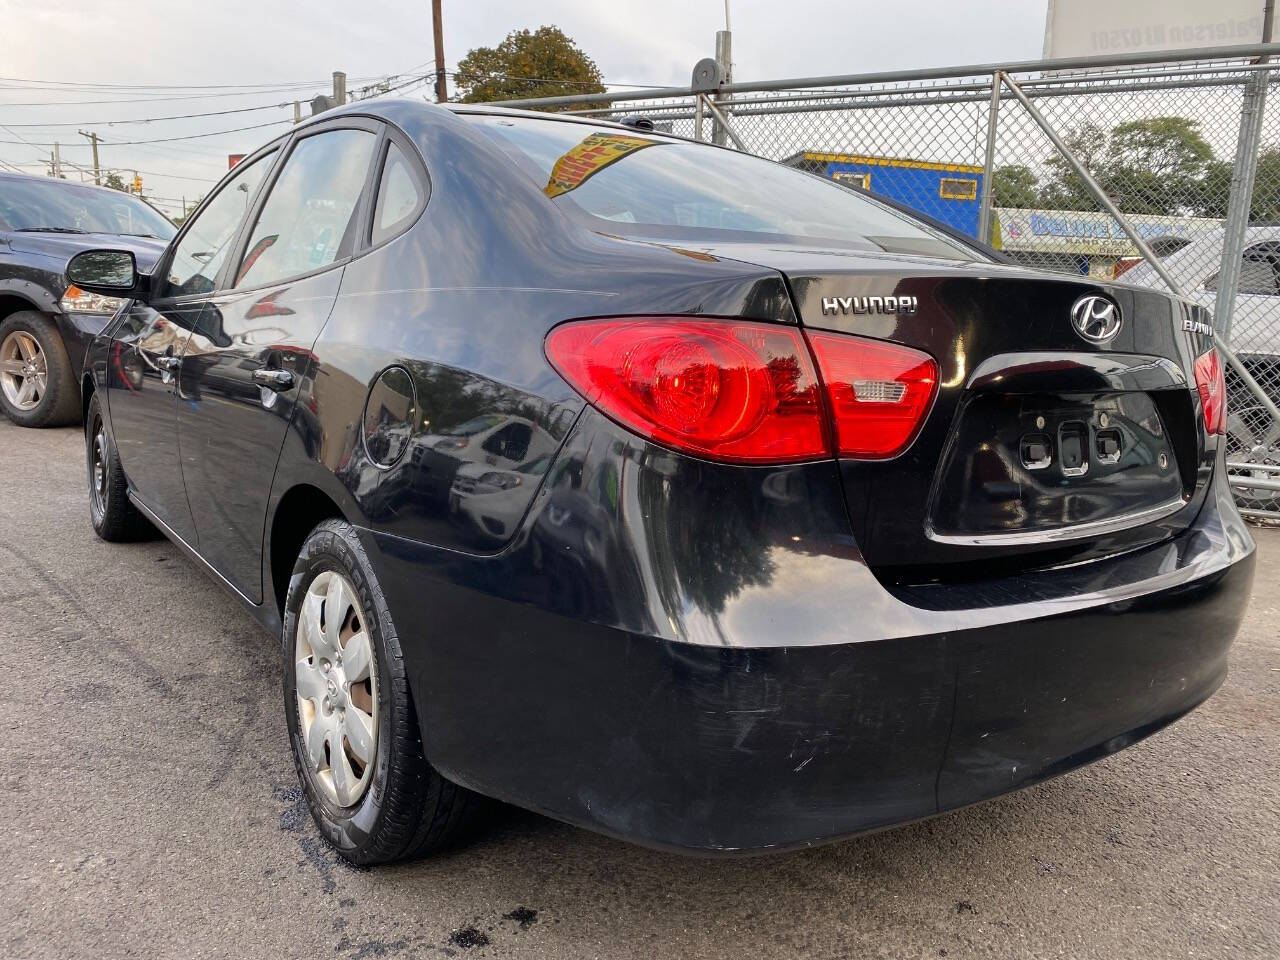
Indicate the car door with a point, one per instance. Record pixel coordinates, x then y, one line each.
250 353
150 338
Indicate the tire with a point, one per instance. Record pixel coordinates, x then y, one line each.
405 808
113 515
30 342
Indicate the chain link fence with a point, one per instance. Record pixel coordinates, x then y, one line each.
1183 156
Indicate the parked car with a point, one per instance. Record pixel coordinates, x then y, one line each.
1253 435
47 324
844 524
490 498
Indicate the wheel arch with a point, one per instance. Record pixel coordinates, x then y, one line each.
19 295
87 390
297 511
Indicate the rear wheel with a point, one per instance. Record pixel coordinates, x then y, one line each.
36 385
352 723
113 515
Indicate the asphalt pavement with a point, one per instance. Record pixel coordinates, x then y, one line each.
153 809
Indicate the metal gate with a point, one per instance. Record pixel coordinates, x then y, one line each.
1159 171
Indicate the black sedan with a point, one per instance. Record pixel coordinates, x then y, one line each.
659 488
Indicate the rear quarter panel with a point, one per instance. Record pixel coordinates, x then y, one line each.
463 301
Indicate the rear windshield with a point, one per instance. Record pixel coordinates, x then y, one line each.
676 189
67 207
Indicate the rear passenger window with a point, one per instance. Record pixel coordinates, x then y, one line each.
309 218
399 196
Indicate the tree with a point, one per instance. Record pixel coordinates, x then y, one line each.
1160 165
1266 188
1156 165
541 63
1215 190
1064 190
114 181
1015 186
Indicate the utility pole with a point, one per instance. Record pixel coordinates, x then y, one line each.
437 28
339 88
57 159
297 112
93 138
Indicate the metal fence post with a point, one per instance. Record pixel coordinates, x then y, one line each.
989 162
723 125
1240 200
724 56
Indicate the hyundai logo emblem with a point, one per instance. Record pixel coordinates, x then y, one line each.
1095 318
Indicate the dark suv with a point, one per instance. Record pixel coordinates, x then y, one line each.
46 324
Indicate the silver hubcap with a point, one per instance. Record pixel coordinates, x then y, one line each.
23 373
337 689
98 468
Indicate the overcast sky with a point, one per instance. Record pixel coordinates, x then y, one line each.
163 43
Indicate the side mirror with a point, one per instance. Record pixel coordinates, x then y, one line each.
111 273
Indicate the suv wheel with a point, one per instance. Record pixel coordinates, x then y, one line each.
36 386
352 723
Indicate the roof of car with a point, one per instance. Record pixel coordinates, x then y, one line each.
62 181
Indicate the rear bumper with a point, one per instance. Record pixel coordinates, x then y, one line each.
749 746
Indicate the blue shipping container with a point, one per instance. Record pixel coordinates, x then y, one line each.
945 191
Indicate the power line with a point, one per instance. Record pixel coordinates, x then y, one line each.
84 84
107 169
191 96
292 87
129 143
181 116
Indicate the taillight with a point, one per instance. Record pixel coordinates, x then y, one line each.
1212 386
747 392
726 390
878 392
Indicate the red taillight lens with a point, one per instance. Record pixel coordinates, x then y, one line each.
1213 392
727 390
878 392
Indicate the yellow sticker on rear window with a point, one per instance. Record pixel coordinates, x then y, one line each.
589 157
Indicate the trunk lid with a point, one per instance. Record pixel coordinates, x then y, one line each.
1042 446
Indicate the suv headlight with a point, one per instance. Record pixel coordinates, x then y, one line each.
76 300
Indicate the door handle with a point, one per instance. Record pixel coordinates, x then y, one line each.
277 380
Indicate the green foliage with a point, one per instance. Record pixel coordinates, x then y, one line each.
1215 188
1015 186
114 181
1266 188
541 63
1160 165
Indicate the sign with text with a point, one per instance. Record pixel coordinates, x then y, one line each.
1089 234
1086 28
